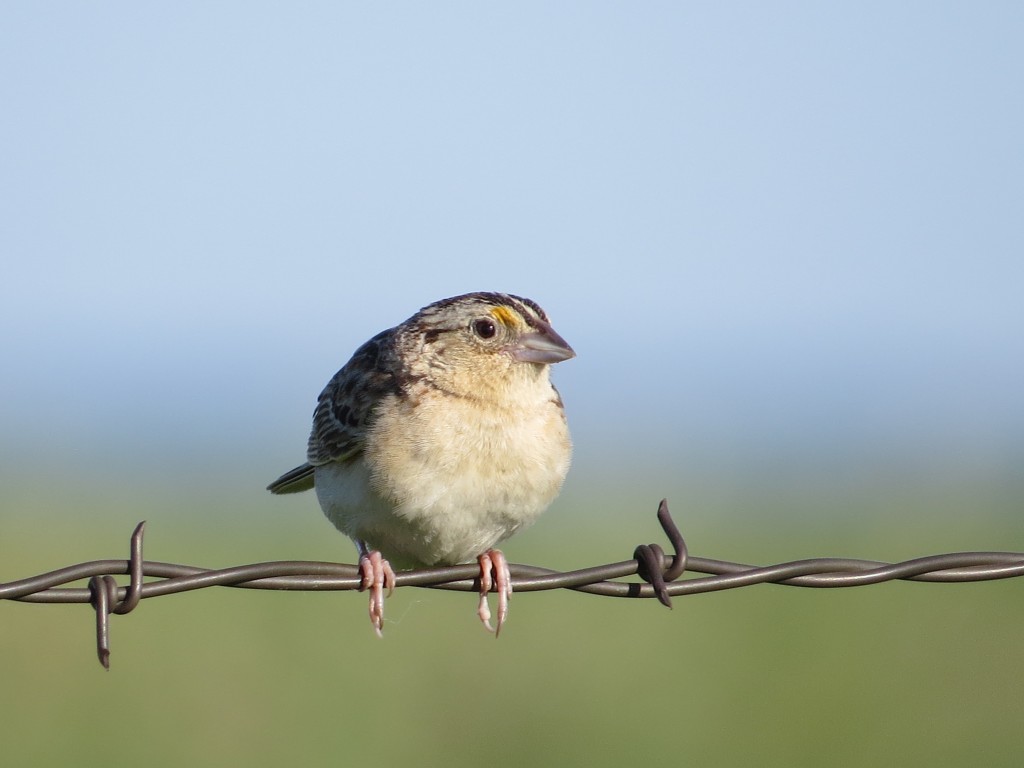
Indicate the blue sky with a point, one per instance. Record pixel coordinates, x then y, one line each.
769 229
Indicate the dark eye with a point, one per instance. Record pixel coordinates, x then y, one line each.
484 328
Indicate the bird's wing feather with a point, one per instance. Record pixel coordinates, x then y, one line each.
346 408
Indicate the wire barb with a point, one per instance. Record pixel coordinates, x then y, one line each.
650 558
659 574
103 595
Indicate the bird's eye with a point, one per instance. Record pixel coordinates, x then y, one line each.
484 328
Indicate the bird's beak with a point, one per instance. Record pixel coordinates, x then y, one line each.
541 346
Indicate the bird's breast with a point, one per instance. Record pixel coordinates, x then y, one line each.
465 473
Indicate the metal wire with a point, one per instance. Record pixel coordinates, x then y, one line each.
660 574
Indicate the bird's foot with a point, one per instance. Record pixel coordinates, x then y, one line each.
494 561
377 575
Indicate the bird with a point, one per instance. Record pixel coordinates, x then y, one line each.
440 438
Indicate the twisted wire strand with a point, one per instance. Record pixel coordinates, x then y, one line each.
660 575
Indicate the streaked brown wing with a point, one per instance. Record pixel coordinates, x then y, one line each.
346 407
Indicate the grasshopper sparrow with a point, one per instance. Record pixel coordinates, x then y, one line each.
440 438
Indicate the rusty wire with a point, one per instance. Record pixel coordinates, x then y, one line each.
660 574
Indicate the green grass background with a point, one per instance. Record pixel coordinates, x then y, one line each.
893 674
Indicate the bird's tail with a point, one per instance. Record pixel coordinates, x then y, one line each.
293 481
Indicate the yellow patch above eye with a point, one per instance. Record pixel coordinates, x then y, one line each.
505 316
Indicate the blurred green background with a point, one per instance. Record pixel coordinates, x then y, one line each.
783 238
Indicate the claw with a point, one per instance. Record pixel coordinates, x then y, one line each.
494 560
377 575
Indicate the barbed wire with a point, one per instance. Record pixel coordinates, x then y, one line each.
660 575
